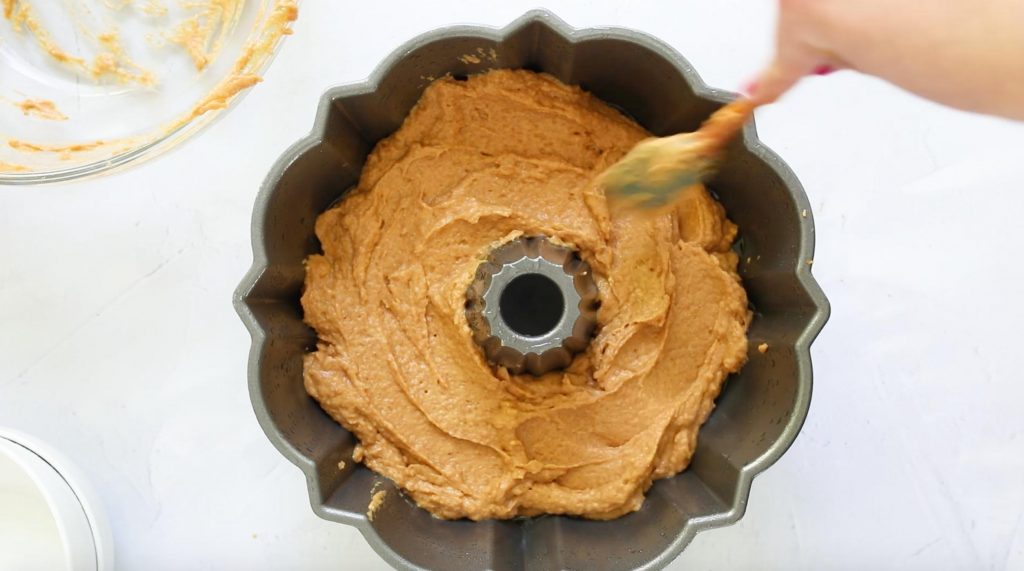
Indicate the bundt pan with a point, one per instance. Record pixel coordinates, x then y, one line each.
758 414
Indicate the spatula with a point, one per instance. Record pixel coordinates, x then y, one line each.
653 175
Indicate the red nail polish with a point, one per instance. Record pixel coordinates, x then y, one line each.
750 87
823 70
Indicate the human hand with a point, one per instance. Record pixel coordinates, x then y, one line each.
967 54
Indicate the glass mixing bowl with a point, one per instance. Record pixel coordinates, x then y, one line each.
90 85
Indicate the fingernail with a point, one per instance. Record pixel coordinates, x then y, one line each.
750 87
823 70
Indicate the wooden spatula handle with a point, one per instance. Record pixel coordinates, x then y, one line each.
723 124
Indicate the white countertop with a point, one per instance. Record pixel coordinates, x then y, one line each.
119 344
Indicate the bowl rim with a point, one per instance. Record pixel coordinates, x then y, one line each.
46 457
370 84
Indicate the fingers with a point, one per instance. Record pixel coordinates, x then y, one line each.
773 82
782 75
799 51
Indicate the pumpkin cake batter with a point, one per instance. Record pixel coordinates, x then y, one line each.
477 163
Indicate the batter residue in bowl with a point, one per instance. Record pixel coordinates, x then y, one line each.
475 164
41 109
110 60
199 28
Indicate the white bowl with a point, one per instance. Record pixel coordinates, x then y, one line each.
49 517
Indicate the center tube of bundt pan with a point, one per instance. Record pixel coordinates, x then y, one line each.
532 305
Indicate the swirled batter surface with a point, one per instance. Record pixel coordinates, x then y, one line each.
476 163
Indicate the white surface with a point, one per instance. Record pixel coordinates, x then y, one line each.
43 525
119 343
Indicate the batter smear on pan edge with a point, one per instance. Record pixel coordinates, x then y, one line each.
475 164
